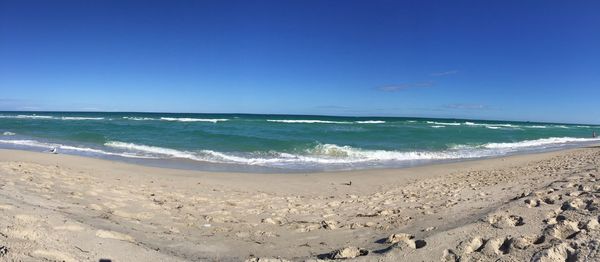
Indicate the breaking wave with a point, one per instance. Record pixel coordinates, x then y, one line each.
306 121
444 123
371 122
185 119
336 154
540 142
51 117
81 118
67 148
27 117
138 118
319 155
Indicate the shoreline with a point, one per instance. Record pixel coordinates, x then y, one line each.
54 206
23 155
206 166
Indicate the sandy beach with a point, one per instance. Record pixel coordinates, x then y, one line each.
539 207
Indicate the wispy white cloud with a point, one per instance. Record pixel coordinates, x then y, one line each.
405 86
444 73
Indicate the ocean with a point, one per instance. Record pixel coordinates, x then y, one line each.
280 143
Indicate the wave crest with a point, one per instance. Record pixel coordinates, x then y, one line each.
138 118
48 146
444 123
371 122
306 121
319 154
185 119
27 117
51 117
81 118
540 142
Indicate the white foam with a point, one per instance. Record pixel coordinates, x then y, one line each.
437 126
203 155
306 121
51 117
335 154
138 118
184 119
540 142
493 127
536 127
7 133
37 144
330 153
81 118
443 123
371 122
27 117
319 154
502 125
151 149
34 117
460 147
31 143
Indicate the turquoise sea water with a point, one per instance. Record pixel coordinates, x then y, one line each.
280 142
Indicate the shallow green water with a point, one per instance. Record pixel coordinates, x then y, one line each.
281 141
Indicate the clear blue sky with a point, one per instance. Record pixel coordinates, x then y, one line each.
521 60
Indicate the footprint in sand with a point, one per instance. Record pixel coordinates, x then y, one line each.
565 229
551 200
554 218
498 246
405 239
503 221
523 242
533 202
475 245
494 246
561 252
449 256
592 224
573 204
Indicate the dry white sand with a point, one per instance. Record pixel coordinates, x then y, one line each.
540 207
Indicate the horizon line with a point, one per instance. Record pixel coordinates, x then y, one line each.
284 114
